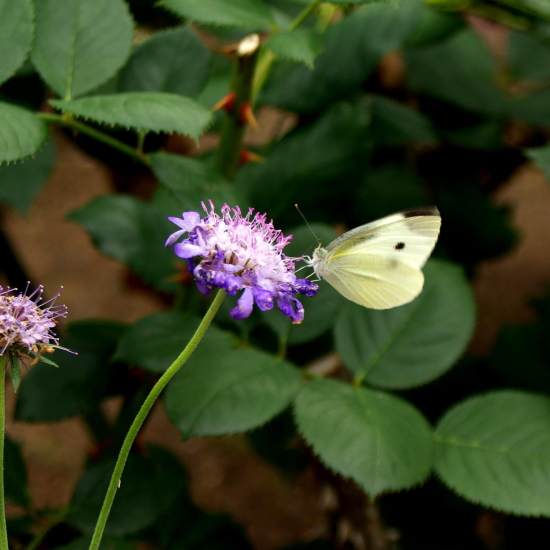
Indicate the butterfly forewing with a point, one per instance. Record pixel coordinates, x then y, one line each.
407 236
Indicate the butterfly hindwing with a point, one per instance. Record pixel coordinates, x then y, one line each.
374 281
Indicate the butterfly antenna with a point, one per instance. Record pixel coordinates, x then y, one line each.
309 226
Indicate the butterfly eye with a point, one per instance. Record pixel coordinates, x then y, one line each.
399 246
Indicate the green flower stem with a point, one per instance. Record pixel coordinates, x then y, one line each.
70 122
228 155
267 57
3 528
142 415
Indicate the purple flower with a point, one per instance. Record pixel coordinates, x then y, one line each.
26 324
245 254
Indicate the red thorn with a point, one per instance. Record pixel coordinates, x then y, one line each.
248 156
227 102
246 116
229 50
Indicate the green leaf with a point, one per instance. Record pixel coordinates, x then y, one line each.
494 450
22 133
410 345
132 232
475 228
15 475
155 341
528 57
16 27
153 111
77 387
319 317
435 26
43 359
15 370
98 330
353 48
173 61
394 123
149 486
533 108
229 13
107 543
487 134
358 2
322 309
301 45
387 189
20 183
379 440
80 44
191 181
219 80
540 155
303 166
461 71
222 391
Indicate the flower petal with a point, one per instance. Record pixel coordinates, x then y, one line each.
189 222
306 287
188 250
264 298
244 305
291 307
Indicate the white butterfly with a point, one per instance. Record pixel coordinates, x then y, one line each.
378 265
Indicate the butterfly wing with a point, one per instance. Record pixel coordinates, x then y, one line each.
378 265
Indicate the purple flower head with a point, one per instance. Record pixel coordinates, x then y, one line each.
26 324
245 254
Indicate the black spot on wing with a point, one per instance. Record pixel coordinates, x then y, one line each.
399 246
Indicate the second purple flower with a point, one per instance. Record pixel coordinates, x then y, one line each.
245 254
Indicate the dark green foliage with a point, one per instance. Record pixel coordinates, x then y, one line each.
300 167
360 136
132 231
149 486
174 61
20 183
79 384
15 480
226 391
386 348
353 48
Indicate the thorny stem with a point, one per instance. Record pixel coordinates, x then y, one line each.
233 126
70 122
3 528
142 415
